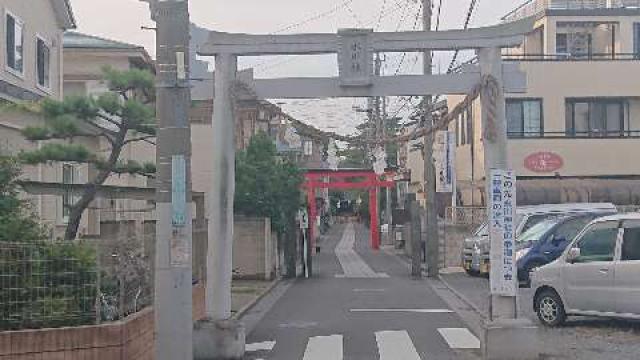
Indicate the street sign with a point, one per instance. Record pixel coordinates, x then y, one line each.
502 232
445 143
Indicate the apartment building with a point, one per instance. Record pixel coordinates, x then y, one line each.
31 63
573 134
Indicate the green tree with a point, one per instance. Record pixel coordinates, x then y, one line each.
267 185
17 221
48 284
123 115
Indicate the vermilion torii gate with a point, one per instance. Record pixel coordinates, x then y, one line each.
355 49
322 179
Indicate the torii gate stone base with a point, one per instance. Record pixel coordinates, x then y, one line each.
506 336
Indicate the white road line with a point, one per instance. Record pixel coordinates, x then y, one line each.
262 346
460 338
352 264
369 290
419 311
396 345
324 348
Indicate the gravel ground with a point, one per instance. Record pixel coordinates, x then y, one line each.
581 338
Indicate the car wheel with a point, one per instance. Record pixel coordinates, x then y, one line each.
550 308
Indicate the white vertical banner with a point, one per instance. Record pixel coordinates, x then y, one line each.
444 160
502 232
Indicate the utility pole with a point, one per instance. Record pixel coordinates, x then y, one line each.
173 268
433 242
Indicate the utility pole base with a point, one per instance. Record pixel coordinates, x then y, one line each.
511 339
218 340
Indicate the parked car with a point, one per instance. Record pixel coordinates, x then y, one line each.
475 252
545 242
597 275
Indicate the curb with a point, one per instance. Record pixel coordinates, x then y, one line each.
252 303
463 298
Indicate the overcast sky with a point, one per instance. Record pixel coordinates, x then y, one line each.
122 19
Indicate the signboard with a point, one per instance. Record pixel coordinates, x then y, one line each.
445 147
179 253
355 57
502 232
543 162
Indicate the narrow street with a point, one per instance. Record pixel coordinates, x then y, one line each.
360 304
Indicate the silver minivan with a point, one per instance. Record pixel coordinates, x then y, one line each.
597 275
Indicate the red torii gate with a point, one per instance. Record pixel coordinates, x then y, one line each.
322 179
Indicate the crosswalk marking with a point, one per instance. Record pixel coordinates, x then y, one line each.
352 264
459 338
324 348
396 345
419 311
261 346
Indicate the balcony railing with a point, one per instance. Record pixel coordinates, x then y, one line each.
575 135
535 7
572 57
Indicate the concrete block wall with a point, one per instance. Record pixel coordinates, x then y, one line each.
254 248
132 338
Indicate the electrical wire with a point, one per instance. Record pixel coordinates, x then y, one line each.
321 15
467 20
438 17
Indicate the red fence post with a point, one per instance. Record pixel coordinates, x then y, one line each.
373 212
311 199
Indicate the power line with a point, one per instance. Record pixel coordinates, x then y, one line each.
382 10
331 11
467 20
438 17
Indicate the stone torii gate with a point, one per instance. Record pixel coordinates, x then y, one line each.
355 49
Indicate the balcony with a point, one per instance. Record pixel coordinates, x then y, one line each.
536 7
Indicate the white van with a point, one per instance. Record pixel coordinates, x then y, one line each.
597 275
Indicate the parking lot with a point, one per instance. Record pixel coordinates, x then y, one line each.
580 338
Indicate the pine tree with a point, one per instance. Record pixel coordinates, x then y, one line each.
123 115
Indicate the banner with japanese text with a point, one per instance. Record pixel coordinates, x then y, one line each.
502 199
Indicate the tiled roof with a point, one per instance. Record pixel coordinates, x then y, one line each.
76 40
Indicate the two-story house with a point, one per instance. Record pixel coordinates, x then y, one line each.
31 63
573 134
85 56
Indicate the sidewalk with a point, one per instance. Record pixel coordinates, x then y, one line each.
580 338
244 293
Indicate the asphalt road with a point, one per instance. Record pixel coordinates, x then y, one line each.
360 304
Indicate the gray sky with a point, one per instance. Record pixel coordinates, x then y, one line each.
122 19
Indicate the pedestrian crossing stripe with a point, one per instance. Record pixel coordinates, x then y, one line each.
391 344
396 345
459 338
262 346
324 348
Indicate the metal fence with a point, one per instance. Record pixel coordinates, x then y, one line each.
46 285
55 284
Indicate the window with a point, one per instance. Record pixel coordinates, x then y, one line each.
636 39
68 177
562 46
595 117
571 228
15 41
463 128
524 117
469 113
576 42
43 57
631 242
598 243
